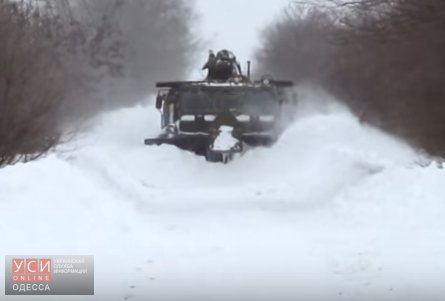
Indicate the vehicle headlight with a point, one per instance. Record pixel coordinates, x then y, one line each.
237 79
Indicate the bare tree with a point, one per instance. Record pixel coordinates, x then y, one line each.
31 85
398 43
63 61
297 46
384 58
150 40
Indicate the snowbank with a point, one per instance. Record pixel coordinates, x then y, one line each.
335 211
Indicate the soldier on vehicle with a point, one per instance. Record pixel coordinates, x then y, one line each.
223 66
210 65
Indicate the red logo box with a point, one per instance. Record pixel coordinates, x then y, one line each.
18 266
31 270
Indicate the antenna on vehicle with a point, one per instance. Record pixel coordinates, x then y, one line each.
249 63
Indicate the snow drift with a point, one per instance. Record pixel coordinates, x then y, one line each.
335 211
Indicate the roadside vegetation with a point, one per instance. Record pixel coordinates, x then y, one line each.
65 61
384 58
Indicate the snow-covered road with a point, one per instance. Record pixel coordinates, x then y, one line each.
334 211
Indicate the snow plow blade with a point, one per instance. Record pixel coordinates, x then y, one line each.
200 143
196 143
177 140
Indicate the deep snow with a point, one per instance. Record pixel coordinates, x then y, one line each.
335 210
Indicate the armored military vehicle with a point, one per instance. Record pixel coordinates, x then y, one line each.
226 114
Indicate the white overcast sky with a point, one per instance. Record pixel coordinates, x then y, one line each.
235 24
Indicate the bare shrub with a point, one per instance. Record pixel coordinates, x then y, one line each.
31 85
385 59
145 41
297 46
64 61
397 71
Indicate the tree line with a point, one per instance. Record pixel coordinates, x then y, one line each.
384 58
64 61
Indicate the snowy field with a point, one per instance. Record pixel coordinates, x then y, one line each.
335 211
